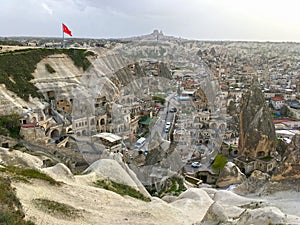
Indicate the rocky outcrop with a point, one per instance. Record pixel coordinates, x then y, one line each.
194 203
112 170
98 206
257 133
229 175
254 184
290 166
215 215
266 215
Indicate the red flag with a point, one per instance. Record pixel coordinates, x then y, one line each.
66 30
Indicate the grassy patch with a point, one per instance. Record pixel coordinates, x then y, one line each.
20 64
159 99
57 209
266 158
252 205
28 173
121 189
11 212
190 180
10 42
49 68
174 187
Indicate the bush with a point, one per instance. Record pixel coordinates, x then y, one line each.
11 212
56 208
159 99
49 68
28 173
10 125
219 163
121 189
174 187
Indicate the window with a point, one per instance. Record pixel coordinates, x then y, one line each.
102 122
92 121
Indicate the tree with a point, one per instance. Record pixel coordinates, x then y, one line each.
10 125
219 163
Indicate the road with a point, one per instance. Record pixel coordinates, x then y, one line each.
164 116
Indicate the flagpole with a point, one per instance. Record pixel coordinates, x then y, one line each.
63 39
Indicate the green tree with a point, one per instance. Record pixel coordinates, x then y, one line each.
10 125
219 163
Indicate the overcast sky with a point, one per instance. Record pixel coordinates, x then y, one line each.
272 20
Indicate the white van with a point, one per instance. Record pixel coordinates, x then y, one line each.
140 142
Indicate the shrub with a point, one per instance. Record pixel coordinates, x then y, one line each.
11 212
57 208
121 189
159 99
10 125
175 186
49 68
219 163
28 173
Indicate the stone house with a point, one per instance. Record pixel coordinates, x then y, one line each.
248 165
112 142
277 102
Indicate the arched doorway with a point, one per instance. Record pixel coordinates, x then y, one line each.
54 134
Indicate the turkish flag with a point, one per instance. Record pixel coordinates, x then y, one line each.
66 30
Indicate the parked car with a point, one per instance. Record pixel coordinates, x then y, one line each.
173 109
167 128
196 164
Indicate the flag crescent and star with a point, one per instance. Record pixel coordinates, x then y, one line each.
66 30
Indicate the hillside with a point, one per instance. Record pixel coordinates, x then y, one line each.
75 199
17 67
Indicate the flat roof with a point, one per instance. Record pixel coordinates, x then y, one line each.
108 136
286 132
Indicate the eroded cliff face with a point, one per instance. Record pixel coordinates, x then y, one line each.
108 73
290 168
257 132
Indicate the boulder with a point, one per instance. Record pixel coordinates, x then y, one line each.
112 170
229 198
254 184
169 198
194 203
59 172
229 175
196 194
266 215
290 166
215 215
18 158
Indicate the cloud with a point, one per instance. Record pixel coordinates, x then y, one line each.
47 8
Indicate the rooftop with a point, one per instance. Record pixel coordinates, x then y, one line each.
277 98
108 136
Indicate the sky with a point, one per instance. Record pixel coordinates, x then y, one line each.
256 20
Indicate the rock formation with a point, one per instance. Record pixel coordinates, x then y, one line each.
254 184
111 169
267 215
230 174
290 168
99 206
257 132
215 215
